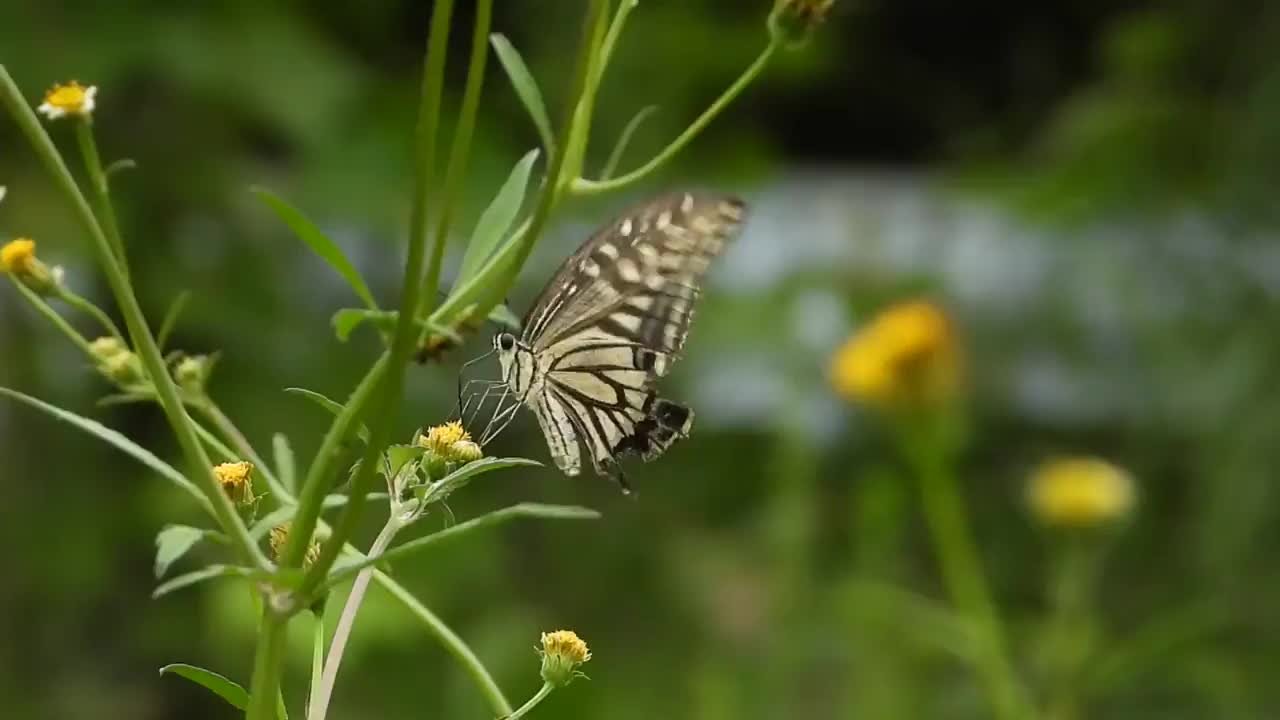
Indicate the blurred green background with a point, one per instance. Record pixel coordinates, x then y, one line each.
1091 188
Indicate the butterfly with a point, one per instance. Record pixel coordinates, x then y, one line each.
608 325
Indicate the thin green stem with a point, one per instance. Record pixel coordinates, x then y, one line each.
538 697
143 341
453 644
267 662
497 517
615 31
94 311
1068 645
402 344
52 315
461 150
582 186
579 121
101 189
964 577
321 695
317 657
316 484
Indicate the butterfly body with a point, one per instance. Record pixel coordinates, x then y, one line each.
611 322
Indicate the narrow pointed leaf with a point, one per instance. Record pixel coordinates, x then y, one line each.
286 465
319 243
171 317
624 140
120 442
496 220
332 406
174 541
502 315
219 685
525 86
198 576
463 475
347 320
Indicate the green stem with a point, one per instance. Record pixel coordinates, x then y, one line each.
542 693
402 344
453 644
583 186
317 656
267 665
615 31
579 121
1069 632
96 312
101 189
963 574
316 484
461 150
143 341
52 316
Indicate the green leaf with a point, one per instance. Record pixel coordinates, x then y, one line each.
319 243
525 86
332 406
174 541
280 515
347 320
286 466
217 684
120 442
496 220
400 455
465 474
502 315
171 317
624 139
201 575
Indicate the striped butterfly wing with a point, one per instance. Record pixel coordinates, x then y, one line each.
614 319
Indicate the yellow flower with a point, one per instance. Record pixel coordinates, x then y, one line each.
237 481
562 652
1079 492
450 443
68 99
107 347
907 355
18 257
280 537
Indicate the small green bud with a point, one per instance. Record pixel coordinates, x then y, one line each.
793 22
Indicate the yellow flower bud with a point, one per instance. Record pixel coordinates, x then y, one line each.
907 355
237 481
1079 492
280 537
450 443
18 257
562 652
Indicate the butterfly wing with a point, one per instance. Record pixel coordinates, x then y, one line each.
614 318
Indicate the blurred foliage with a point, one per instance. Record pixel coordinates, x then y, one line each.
750 578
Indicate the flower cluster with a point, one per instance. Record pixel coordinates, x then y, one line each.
18 258
450 443
907 355
280 537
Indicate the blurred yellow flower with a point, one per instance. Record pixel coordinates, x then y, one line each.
1079 492
280 537
562 652
68 99
18 256
908 354
237 481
